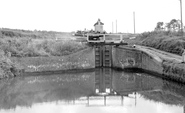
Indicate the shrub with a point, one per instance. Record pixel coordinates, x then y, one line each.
25 47
66 48
7 68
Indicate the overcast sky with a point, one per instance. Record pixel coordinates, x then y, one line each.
72 15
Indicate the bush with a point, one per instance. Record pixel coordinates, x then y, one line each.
25 43
25 47
66 48
7 68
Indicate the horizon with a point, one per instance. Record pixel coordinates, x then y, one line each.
71 15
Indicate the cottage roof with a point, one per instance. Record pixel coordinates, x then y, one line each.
98 22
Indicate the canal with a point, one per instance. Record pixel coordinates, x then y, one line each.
96 91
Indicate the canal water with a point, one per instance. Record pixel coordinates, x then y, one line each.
96 91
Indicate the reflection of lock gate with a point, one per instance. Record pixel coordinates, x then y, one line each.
103 81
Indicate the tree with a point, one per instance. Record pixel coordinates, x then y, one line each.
173 25
159 26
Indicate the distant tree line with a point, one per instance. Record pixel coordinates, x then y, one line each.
174 26
6 32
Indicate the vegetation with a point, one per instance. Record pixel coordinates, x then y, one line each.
24 43
21 43
15 33
7 68
167 41
20 47
173 25
167 37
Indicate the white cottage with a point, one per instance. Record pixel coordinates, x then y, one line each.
98 26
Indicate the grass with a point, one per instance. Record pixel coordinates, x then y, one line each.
167 41
27 47
25 43
6 32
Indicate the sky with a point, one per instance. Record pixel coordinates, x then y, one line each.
73 15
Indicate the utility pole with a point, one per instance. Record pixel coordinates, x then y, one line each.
134 22
116 26
181 17
112 27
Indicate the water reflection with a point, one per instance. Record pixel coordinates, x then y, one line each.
101 89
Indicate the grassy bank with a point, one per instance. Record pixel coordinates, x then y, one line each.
20 47
171 42
167 41
18 33
25 43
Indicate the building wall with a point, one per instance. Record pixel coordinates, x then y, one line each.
99 28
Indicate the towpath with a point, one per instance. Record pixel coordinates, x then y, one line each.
160 54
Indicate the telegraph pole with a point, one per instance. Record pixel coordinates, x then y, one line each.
112 27
116 26
134 22
181 17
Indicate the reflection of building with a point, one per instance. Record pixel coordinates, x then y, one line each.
98 26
